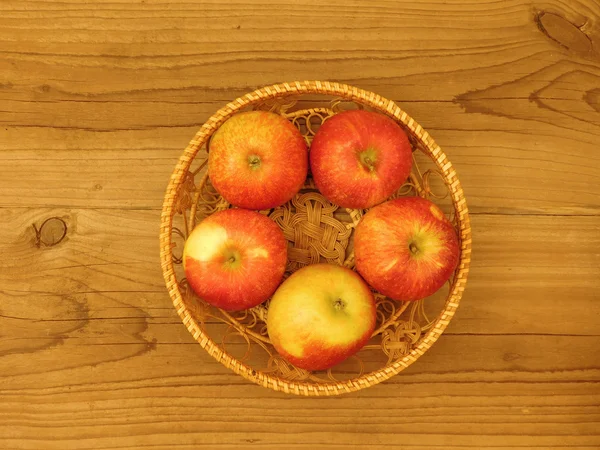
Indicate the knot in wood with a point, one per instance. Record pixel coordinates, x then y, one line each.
51 232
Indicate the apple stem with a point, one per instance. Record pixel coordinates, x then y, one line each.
254 161
413 248
367 158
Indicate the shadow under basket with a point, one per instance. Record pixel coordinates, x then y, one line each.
317 231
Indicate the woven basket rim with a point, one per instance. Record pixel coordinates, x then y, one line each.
382 105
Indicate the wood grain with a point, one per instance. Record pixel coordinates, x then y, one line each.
97 101
158 397
495 86
109 255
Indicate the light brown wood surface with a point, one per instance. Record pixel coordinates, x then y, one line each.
97 101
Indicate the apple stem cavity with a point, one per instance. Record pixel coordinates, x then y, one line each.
232 258
368 158
254 162
339 304
413 248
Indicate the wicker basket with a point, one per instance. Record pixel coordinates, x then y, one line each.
317 231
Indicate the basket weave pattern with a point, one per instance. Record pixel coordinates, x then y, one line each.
317 231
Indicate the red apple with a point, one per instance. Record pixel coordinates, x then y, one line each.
235 259
359 158
321 315
257 160
406 248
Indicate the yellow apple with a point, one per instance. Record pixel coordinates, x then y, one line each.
321 315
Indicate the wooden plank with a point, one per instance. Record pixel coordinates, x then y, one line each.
220 36
500 171
72 345
529 274
87 396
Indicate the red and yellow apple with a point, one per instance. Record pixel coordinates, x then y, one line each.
406 248
235 259
321 315
257 160
359 158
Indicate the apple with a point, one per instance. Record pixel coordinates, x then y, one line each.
406 248
321 315
235 259
359 158
257 160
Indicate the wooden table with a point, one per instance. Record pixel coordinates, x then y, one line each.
97 101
